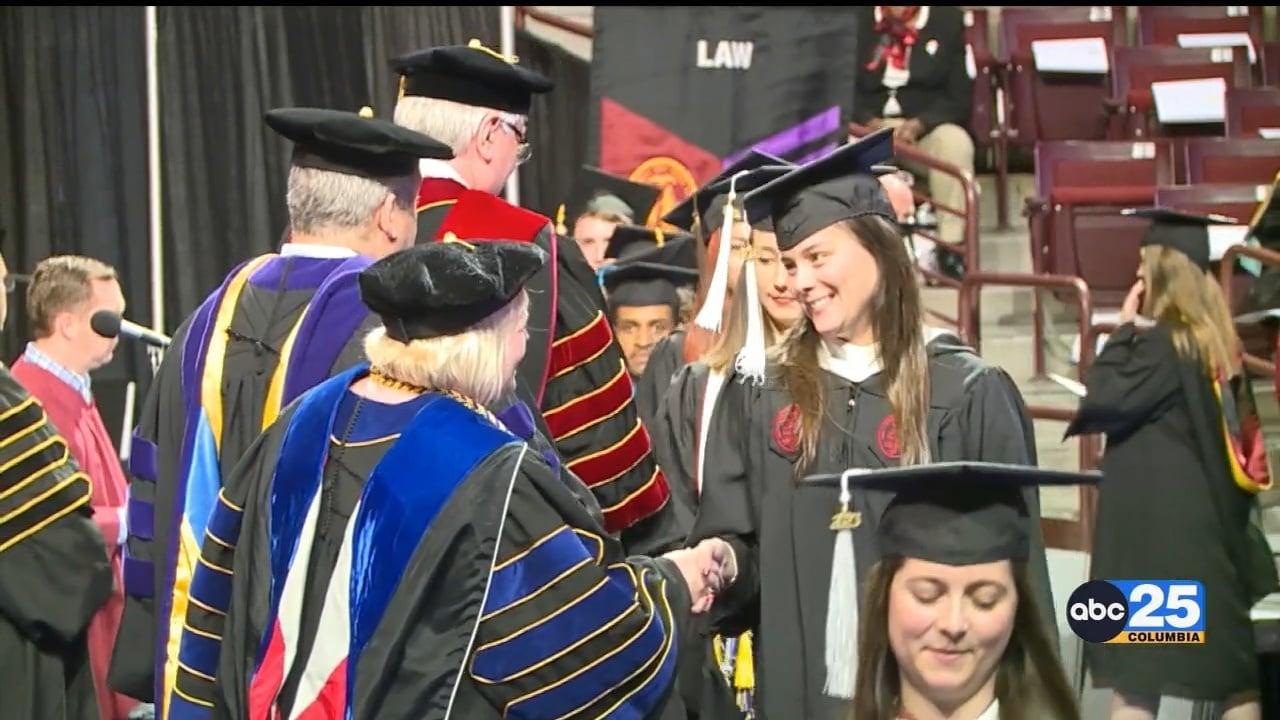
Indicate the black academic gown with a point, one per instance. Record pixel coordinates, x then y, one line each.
779 530
54 568
1169 508
276 326
573 371
493 594
651 388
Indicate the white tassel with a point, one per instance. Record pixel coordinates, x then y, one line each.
712 311
750 362
842 602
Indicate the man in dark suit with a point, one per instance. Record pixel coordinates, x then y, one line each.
914 76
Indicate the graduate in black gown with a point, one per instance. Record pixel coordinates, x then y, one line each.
402 554
278 324
860 382
600 203
702 214
54 571
949 625
643 295
1183 465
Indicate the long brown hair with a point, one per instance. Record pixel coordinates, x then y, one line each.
1030 681
899 330
1190 303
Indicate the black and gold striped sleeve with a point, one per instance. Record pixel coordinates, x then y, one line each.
589 407
54 571
569 627
208 598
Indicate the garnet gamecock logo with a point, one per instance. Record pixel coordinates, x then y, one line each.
887 438
786 428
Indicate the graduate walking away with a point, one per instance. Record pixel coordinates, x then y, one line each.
859 382
1183 465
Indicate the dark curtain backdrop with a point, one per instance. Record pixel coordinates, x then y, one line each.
221 69
73 136
557 123
73 161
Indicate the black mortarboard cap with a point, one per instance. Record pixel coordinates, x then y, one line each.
596 190
958 513
678 250
838 186
348 143
744 184
443 288
699 203
1184 232
470 74
630 240
638 283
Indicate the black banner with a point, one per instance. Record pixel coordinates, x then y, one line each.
680 92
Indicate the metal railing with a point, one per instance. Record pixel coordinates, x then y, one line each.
907 156
1226 277
1064 534
525 13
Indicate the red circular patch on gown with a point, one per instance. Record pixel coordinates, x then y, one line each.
887 438
786 428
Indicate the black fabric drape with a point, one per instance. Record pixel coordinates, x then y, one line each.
221 69
73 161
557 124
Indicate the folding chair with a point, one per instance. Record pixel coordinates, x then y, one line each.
1075 221
1271 63
1162 24
1134 69
1231 160
1251 109
1055 106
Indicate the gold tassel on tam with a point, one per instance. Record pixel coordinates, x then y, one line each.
842 602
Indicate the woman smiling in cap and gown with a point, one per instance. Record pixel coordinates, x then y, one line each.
858 382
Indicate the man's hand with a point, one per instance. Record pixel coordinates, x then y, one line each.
706 569
909 132
1132 302
875 123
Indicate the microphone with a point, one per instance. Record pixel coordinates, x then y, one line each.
109 325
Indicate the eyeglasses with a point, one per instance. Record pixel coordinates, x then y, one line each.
524 150
12 281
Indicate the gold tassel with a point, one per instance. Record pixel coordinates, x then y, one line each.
744 672
560 226
366 112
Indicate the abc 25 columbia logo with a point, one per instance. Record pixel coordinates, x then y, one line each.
1146 612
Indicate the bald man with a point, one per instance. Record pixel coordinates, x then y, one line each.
904 204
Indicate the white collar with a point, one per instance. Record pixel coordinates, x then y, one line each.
440 170
321 252
992 712
922 18
854 363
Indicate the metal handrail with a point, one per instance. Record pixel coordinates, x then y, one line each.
969 249
1226 275
1058 533
529 12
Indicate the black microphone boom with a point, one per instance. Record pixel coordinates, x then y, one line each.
109 325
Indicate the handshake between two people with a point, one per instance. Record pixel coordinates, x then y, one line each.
708 568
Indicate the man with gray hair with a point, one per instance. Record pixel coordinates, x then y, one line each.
477 101
279 324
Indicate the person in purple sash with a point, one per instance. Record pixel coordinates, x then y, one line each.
279 324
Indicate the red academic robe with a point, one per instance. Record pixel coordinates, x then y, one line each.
81 425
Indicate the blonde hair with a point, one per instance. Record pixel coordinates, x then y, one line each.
59 284
470 363
733 333
1190 303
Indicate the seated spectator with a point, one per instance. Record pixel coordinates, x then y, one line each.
913 77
